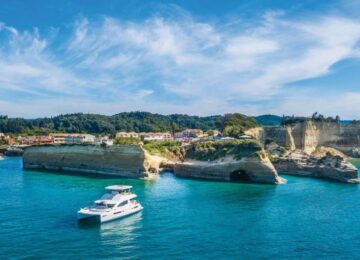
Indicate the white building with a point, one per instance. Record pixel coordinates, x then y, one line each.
104 140
64 138
58 138
189 133
156 136
79 138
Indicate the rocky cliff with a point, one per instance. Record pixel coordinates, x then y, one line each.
309 135
254 169
333 167
121 160
313 148
133 161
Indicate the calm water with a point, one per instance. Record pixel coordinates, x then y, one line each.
305 218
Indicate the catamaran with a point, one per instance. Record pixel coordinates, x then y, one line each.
116 204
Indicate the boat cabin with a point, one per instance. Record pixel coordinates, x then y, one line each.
120 196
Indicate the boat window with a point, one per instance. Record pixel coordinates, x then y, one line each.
110 205
122 203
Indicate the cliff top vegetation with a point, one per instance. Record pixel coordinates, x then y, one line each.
237 148
129 121
316 117
206 151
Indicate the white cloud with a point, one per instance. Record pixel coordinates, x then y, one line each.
206 64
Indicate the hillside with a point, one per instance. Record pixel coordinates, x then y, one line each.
129 121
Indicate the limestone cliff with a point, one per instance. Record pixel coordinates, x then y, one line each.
309 135
333 167
120 160
254 169
133 161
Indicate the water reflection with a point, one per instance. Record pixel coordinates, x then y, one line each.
119 234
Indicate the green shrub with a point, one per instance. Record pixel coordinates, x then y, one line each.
205 151
165 148
127 141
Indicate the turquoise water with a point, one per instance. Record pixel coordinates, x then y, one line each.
305 218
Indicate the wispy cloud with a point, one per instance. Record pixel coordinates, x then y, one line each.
212 67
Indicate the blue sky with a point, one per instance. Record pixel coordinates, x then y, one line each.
195 57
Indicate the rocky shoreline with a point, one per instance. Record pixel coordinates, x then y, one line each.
123 161
133 161
330 167
252 169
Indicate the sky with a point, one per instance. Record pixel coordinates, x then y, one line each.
194 57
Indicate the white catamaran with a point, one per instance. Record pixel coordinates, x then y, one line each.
117 204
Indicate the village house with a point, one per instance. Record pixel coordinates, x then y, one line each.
190 135
32 140
127 135
103 140
45 139
58 138
64 138
79 139
27 140
156 136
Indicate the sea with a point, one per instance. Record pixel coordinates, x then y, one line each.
182 219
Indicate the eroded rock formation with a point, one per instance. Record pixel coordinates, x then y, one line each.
313 148
121 160
309 135
330 166
255 169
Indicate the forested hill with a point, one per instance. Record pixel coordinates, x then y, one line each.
130 121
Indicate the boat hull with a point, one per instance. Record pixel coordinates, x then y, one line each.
109 216
117 215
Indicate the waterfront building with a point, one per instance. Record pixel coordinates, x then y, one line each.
44 139
104 140
64 138
58 138
79 138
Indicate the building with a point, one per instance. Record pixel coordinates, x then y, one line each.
127 135
58 138
44 139
79 138
156 136
189 133
63 138
104 140
33 140
26 140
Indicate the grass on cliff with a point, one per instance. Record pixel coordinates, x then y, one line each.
205 151
168 149
127 141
